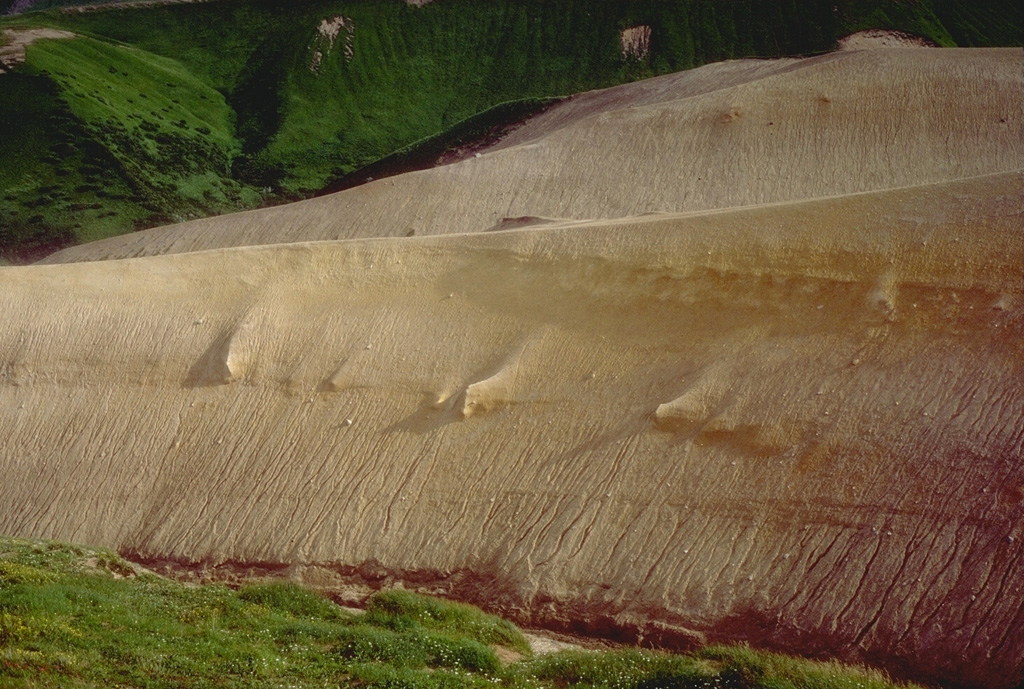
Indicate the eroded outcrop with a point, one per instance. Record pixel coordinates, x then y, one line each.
796 423
635 42
666 429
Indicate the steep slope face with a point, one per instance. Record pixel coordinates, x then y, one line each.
724 135
800 425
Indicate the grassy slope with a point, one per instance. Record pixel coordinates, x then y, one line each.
149 142
36 130
232 106
73 617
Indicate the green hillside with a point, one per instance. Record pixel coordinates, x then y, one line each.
112 138
174 111
76 617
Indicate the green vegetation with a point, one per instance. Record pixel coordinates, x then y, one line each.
167 112
724 667
76 617
945 22
81 617
85 156
995 22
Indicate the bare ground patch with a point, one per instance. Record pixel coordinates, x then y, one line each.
12 52
879 38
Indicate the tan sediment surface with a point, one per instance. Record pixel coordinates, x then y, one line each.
798 423
730 134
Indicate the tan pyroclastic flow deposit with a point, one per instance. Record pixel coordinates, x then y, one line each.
757 376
